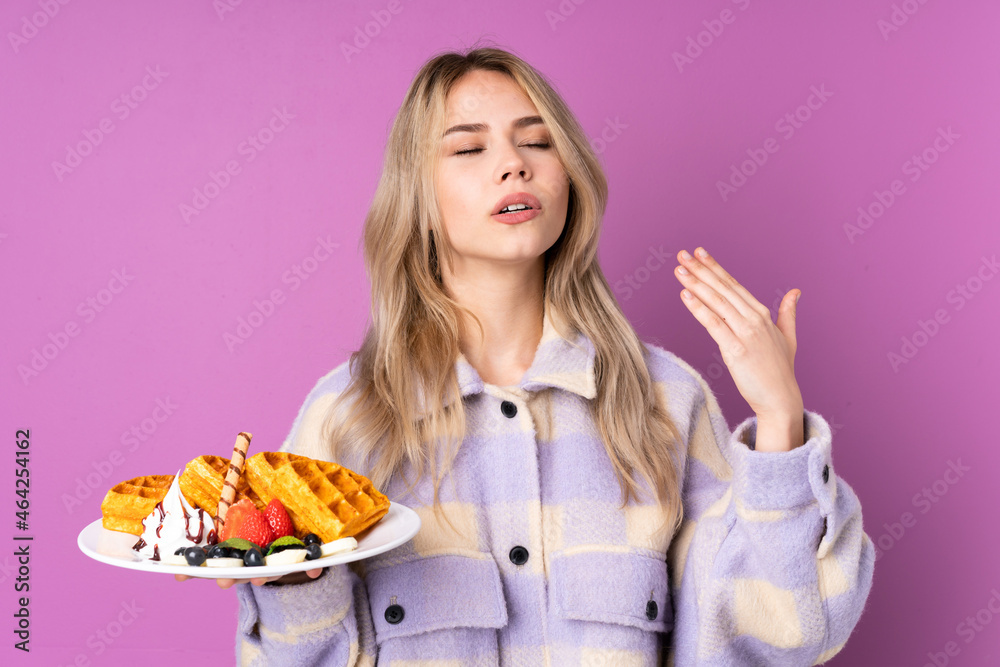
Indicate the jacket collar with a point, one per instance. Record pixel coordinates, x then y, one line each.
559 362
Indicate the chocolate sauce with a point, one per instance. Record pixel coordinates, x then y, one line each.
212 538
200 515
201 527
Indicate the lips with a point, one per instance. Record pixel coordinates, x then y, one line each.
517 198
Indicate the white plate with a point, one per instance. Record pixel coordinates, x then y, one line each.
397 527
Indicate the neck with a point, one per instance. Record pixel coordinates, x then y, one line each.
508 301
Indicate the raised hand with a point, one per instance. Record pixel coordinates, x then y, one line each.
759 353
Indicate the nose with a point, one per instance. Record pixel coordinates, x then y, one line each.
511 162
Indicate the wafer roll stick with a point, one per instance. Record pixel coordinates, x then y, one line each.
236 462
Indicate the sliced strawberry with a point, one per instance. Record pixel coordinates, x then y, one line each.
255 528
235 517
277 519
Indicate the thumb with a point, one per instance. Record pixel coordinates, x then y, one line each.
786 317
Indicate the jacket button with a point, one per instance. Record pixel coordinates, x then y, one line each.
651 610
393 614
826 474
508 409
518 555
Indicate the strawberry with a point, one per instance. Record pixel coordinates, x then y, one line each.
255 529
277 519
235 517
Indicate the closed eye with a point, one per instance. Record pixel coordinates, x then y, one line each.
470 151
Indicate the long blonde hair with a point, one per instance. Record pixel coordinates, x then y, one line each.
412 342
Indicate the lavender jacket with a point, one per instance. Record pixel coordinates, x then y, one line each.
771 565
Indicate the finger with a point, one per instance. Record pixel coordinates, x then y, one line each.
312 574
260 581
713 264
787 312
225 583
715 275
719 304
716 328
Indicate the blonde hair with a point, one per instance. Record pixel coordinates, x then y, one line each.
412 342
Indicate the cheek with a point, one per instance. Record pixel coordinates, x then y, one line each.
457 198
555 179
449 190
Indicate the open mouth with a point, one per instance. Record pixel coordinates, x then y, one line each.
516 213
513 208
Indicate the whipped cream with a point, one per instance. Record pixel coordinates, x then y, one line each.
174 523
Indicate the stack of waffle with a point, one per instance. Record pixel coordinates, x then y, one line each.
320 497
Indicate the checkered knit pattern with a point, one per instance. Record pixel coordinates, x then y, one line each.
770 566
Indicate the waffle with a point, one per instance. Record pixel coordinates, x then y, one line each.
128 503
320 497
202 480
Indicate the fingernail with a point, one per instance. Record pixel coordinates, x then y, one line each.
685 254
798 296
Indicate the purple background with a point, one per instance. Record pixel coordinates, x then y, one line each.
668 135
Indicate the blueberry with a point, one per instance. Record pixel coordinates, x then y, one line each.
180 551
313 551
218 551
253 558
311 538
194 555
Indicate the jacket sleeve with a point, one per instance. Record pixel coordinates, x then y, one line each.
771 564
325 621
315 623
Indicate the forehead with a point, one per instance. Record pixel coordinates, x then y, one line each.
480 94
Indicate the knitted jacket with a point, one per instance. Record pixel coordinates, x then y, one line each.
770 565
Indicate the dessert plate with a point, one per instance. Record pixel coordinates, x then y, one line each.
397 527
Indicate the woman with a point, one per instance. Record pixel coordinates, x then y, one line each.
582 498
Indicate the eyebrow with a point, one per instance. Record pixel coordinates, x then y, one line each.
520 123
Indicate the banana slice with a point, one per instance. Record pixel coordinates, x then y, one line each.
172 559
224 562
339 546
286 557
